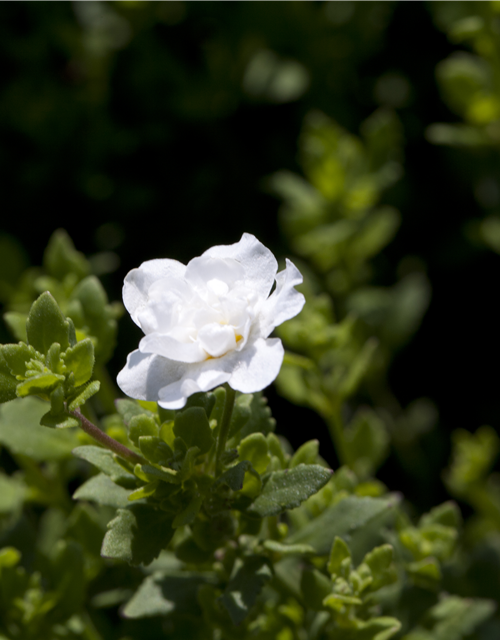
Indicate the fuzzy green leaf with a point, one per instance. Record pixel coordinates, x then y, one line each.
241 413
193 427
42 384
340 551
381 628
8 384
129 408
102 490
254 448
104 460
260 420
306 454
289 488
137 534
69 572
91 389
16 357
21 433
142 425
187 515
59 420
162 594
244 588
61 257
343 519
12 493
315 588
46 324
234 476
16 322
80 360
204 400
288 549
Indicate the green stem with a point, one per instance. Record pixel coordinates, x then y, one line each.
224 427
336 428
103 438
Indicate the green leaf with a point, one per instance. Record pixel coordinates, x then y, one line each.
204 400
446 514
129 408
187 515
380 562
137 534
193 427
241 413
59 420
21 433
254 448
358 368
80 360
162 594
83 395
142 425
16 322
220 403
454 618
289 488
17 356
42 384
188 551
234 476
61 257
306 454
102 490
343 519
243 589
104 460
8 384
53 357
260 420
46 324
340 551
12 493
381 628
145 491
69 573
425 573
164 473
57 401
315 588
288 549
154 449
366 443
98 315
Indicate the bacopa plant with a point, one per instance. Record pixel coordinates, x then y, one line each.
194 519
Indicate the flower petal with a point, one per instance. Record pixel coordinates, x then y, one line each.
285 302
197 377
256 366
217 339
171 348
200 271
258 261
138 281
145 373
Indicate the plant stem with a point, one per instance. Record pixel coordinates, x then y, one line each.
224 427
103 438
336 428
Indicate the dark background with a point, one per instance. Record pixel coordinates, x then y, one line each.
129 125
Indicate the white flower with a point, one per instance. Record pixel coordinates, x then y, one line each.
208 323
